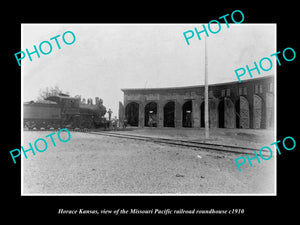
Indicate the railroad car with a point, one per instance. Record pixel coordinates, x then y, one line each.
64 111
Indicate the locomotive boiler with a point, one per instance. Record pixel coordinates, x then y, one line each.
64 111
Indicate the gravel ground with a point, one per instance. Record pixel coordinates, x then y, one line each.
240 137
92 164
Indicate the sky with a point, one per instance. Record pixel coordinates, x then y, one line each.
108 57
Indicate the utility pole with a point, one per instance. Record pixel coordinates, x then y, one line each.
206 114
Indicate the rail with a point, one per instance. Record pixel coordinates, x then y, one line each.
186 143
178 142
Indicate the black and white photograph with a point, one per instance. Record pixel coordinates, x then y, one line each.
149 109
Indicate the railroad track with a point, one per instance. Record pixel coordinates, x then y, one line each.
82 130
178 142
186 143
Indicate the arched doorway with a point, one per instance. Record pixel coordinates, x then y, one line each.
202 115
242 116
226 118
229 113
169 114
187 114
257 112
221 112
151 114
270 110
132 114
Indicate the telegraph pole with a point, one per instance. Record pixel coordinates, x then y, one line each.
206 113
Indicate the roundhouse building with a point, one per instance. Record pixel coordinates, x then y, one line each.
249 104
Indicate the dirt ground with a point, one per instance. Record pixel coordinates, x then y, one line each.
93 164
254 138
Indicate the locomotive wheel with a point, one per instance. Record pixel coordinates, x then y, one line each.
29 124
75 121
86 123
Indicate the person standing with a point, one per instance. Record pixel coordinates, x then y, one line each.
125 123
115 123
109 114
150 121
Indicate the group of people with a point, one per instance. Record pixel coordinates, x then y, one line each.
115 121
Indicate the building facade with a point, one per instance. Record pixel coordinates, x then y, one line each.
249 104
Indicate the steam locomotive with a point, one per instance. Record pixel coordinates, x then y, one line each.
64 111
